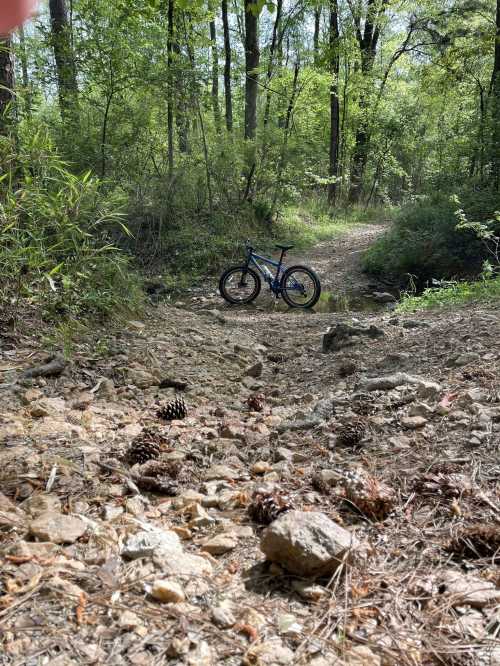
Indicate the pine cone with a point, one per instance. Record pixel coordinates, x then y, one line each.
347 368
146 446
256 402
364 404
372 497
351 433
476 542
175 410
267 506
320 485
157 476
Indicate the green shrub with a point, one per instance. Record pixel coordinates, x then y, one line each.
56 251
425 242
456 293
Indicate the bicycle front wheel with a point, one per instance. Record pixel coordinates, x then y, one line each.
239 285
300 287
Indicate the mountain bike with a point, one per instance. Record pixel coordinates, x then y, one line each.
298 285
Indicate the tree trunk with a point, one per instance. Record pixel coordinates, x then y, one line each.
104 132
215 76
477 159
63 53
367 42
23 57
6 84
270 62
495 106
334 101
182 104
227 68
170 93
343 125
360 154
286 134
252 57
317 24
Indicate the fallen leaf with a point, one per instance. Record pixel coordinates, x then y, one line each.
80 609
249 631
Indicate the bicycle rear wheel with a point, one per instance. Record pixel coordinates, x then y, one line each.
239 285
300 287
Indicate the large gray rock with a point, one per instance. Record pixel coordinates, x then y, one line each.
341 335
307 543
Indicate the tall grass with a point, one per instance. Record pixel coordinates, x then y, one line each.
56 252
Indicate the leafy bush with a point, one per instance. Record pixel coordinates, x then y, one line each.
55 236
183 243
425 242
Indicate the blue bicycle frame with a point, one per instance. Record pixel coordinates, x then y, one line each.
274 282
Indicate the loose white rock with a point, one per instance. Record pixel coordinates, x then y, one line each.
413 422
220 544
57 528
167 591
146 544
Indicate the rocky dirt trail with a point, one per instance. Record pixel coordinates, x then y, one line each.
332 496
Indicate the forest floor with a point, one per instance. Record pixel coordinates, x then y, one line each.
384 450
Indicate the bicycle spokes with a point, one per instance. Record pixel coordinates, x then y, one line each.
240 286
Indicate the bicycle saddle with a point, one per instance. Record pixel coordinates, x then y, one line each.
284 247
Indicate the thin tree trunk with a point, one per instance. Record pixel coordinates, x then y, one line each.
482 121
215 76
207 162
270 62
477 159
23 56
227 68
240 22
317 25
181 111
104 132
6 85
252 58
286 134
170 93
63 53
368 42
343 125
334 102
495 106
196 102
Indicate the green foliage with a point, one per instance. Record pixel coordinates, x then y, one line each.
425 242
488 232
453 294
191 191
56 229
